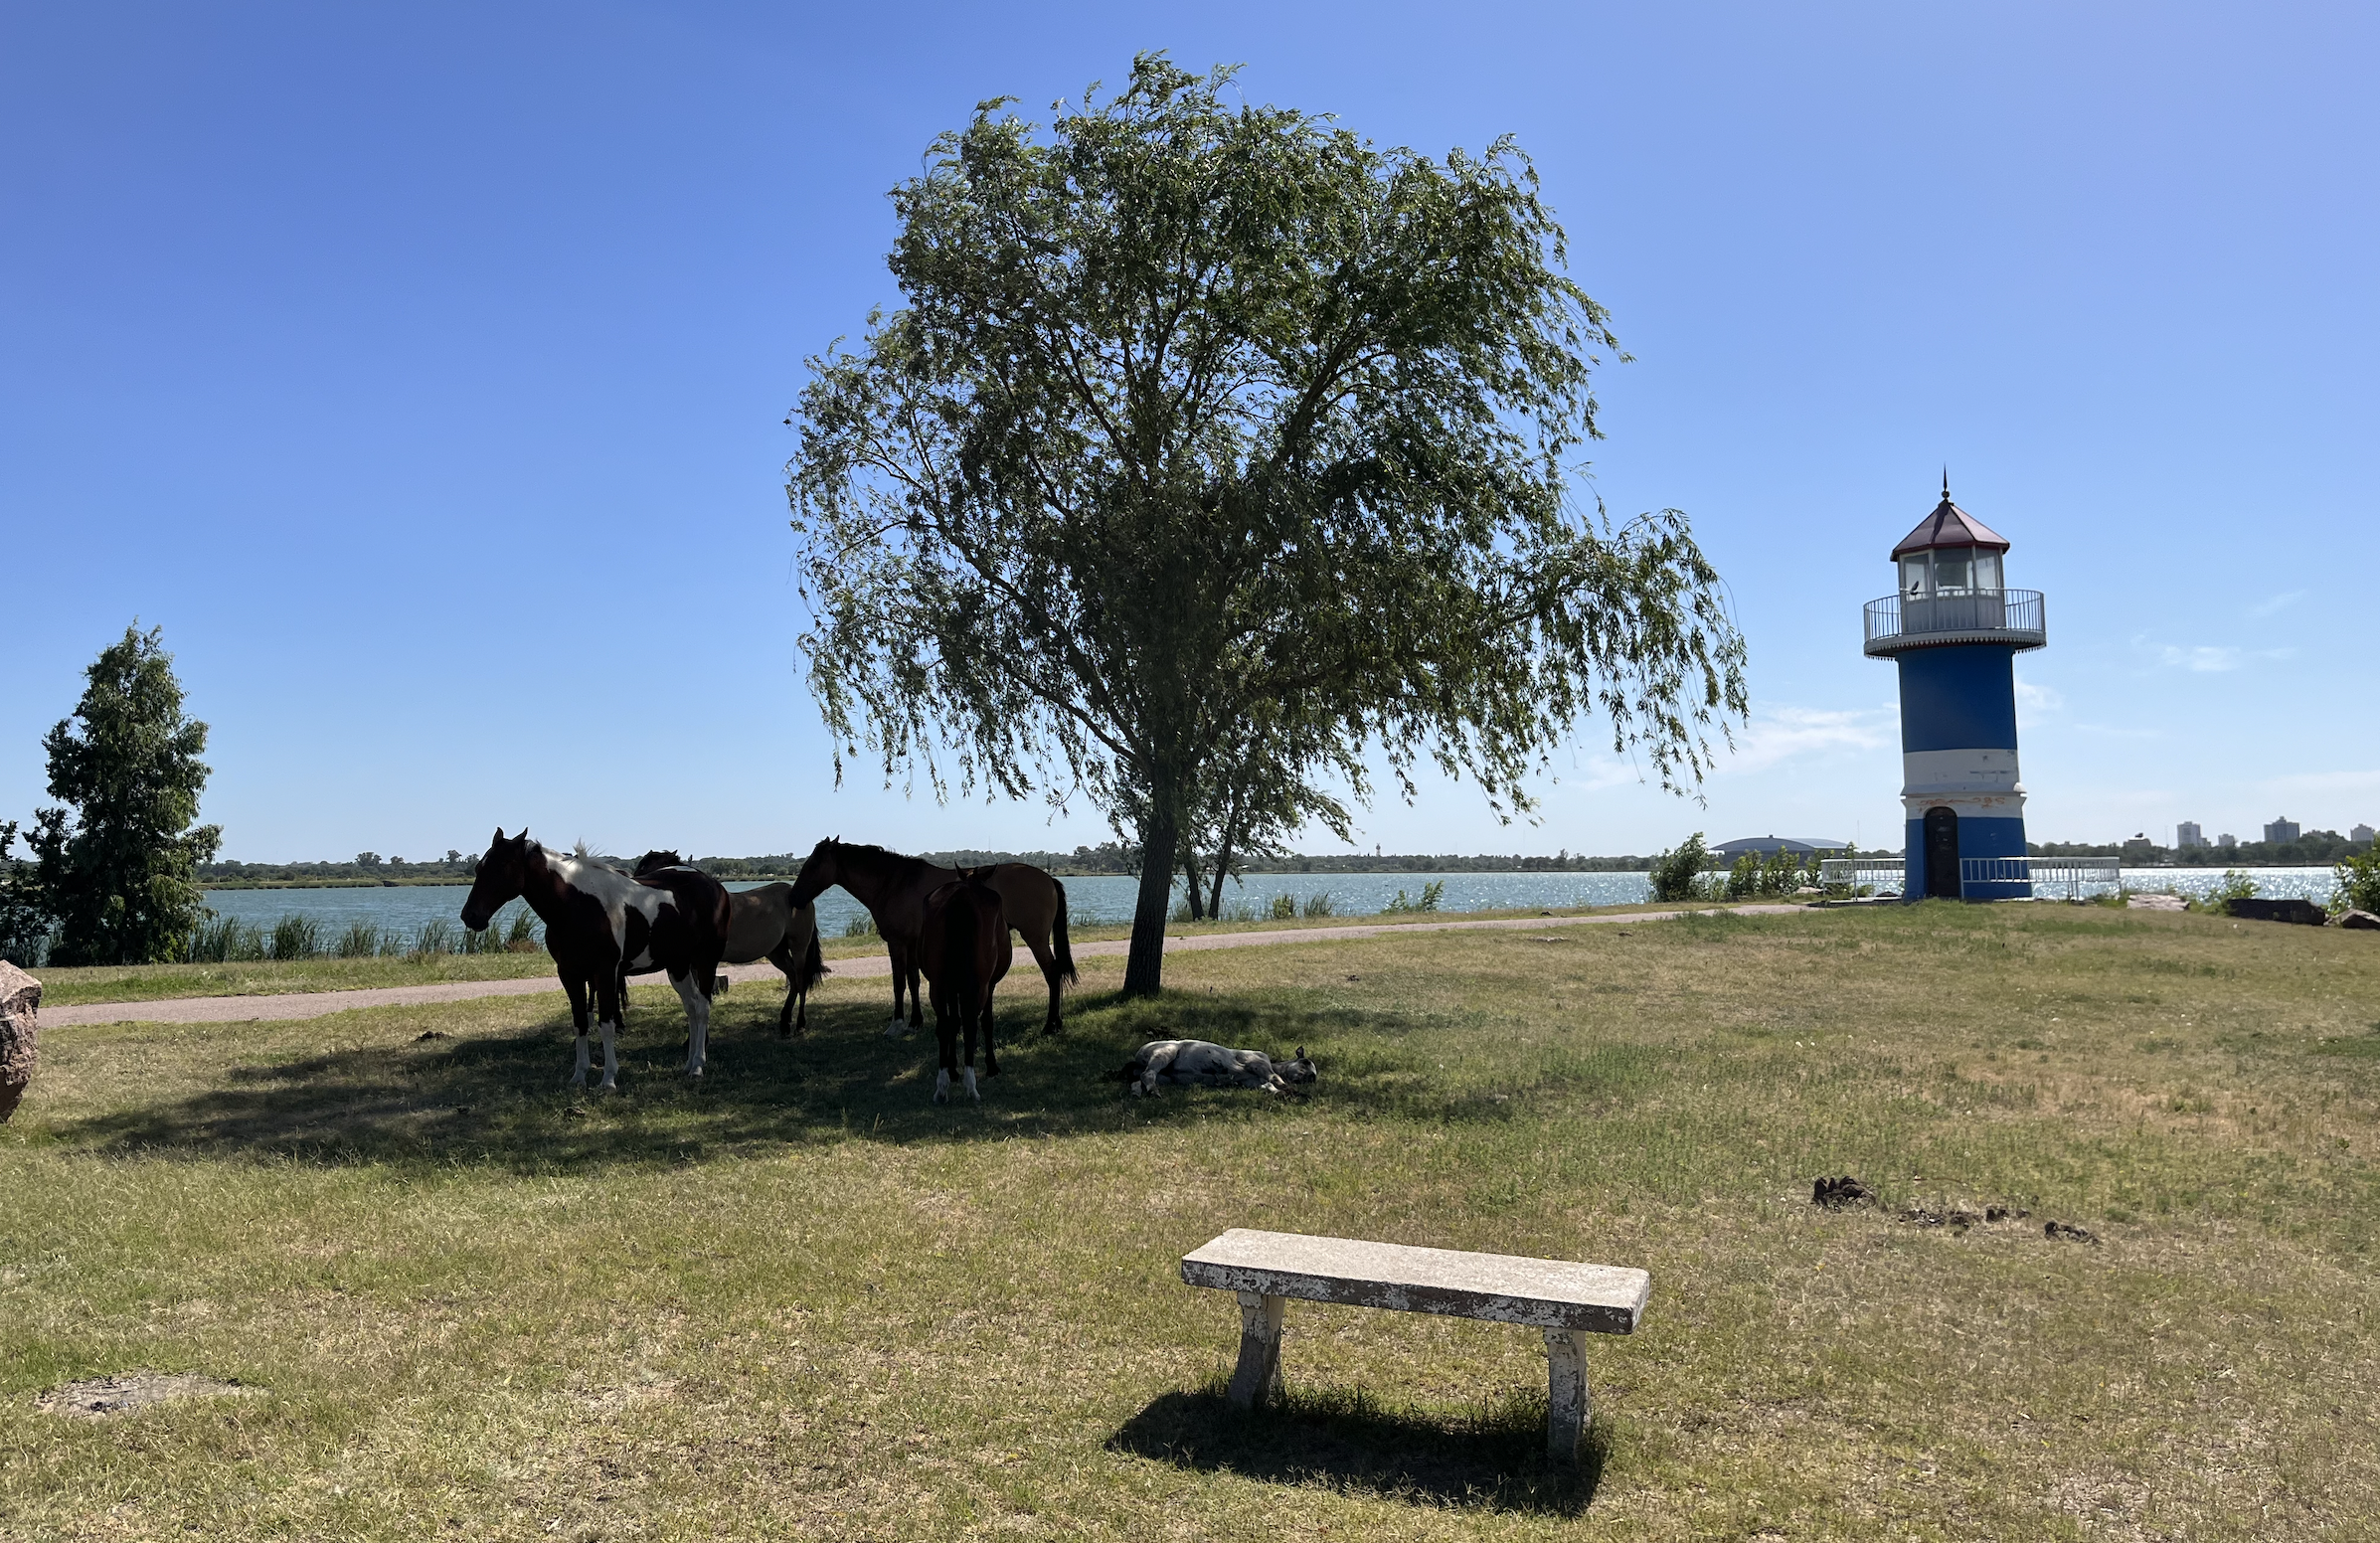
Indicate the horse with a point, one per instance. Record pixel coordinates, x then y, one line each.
1198 1063
964 950
894 888
764 923
601 924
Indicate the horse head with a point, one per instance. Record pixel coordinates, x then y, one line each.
502 877
655 861
821 871
1301 1070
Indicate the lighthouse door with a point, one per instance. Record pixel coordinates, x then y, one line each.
1941 853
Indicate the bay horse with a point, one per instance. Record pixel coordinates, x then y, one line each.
965 951
764 923
893 888
600 924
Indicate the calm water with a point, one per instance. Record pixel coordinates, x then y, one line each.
1109 898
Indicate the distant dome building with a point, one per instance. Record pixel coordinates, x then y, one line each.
1955 630
1761 846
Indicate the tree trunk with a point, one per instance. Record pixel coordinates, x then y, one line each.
1191 885
1144 965
1223 869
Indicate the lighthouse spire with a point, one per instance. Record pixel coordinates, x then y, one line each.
1945 482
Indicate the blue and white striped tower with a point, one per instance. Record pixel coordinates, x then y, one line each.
1957 632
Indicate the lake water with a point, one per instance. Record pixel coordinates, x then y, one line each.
1108 897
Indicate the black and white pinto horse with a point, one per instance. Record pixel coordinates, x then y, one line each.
602 925
1198 1063
764 923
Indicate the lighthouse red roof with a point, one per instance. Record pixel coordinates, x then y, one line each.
1950 526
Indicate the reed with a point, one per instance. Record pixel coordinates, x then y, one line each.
861 925
1318 903
297 938
360 941
433 937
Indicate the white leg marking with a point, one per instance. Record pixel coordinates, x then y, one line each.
611 1056
579 1078
970 1074
698 1024
942 1086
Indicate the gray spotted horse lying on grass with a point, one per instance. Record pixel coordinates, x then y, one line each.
1197 1062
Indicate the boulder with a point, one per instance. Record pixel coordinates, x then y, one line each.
2155 903
2303 912
20 1033
2362 921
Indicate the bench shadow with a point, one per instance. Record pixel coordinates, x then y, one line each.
1492 1461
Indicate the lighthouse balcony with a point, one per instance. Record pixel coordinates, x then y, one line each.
1899 622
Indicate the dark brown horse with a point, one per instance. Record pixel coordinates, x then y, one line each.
602 925
764 923
893 888
965 952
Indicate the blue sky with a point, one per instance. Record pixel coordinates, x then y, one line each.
420 370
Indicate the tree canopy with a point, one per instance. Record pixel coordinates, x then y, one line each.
117 871
1213 442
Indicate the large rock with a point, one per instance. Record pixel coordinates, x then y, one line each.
2363 920
2303 912
20 1033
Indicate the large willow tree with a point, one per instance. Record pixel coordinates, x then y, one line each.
1198 417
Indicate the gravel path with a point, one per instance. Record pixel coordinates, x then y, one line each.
316 1004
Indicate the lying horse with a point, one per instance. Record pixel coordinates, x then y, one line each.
894 888
1196 1062
964 954
764 923
603 925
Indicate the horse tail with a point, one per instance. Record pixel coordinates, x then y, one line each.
960 925
813 965
1066 952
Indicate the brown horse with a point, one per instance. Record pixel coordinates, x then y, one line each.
764 923
602 925
893 888
964 950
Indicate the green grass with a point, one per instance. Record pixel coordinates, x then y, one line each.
800 1301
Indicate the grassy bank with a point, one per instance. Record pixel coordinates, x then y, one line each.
799 1300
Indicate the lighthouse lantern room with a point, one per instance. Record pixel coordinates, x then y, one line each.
1955 630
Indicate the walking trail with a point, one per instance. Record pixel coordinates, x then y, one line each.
316 1004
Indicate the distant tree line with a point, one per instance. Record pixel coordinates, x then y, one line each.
2312 850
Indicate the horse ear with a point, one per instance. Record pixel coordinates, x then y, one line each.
1301 1052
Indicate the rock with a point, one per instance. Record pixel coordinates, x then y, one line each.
2362 921
2155 903
20 1034
2056 1230
2303 912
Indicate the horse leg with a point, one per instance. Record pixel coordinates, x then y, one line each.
693 992
916 1004
609 993
946 1034
784 958
576 991
897 1026
992 1058
1048 962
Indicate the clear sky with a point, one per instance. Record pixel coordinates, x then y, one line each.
421 369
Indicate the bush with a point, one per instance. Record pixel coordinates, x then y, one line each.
2235 886
1676 874
2358 881
1744 879
1285 908
297 938
360 941
861 925
1432 893
1318 903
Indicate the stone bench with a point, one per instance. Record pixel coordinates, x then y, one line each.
1568 1302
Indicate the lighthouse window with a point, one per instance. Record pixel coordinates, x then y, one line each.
1987 570
1913 576
1949 569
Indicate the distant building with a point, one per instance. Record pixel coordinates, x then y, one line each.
2284 830
2227 841
1761 846
2187 834
2362 833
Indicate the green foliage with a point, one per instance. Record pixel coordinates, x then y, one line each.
2235 886
861 925
1744 878
1675 873
1212 445
297 938
1318 903
360 941
2358 880
24 922
116 865
1432 893
222 941
435 936
1284 908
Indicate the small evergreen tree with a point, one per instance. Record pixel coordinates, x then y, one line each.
1676 874
117 870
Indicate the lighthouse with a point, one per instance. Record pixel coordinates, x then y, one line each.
1955 630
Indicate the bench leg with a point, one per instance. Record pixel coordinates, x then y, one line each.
1567 1405
1257 1376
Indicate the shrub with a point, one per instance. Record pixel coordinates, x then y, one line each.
2358 880
1285 908
2235 886
360 941
1318 903
1744 879
1432 893
1675 874
861 925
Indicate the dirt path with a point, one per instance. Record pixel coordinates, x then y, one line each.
316 1004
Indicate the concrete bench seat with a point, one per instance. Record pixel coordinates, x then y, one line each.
1567 1301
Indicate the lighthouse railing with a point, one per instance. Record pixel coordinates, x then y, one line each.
2052 877
1989 612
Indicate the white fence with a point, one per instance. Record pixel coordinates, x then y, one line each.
2051 877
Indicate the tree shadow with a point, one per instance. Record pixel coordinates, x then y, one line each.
499 1097
1491 1460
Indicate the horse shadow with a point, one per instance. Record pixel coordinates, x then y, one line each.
1492 1460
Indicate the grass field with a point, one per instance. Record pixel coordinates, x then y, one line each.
799 1300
